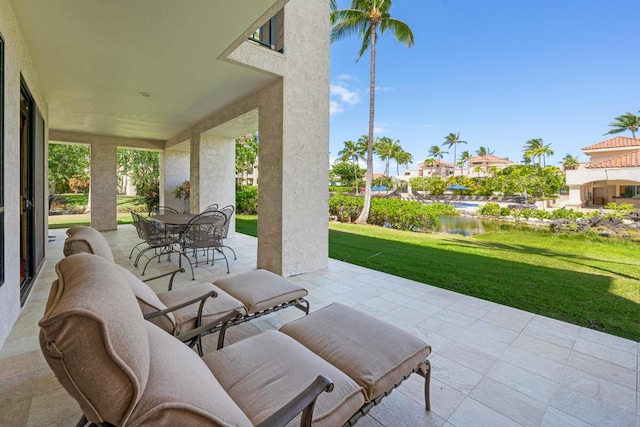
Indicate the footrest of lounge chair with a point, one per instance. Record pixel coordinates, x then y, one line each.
375 354
261 290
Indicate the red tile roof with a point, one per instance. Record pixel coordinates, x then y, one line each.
617 142
627 160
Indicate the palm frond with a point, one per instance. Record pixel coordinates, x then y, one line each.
399 29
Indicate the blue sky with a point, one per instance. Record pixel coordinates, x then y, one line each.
500 72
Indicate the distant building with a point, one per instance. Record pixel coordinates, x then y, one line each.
612 174
480 166
436 168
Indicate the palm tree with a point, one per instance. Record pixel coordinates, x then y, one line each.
464 156
387 149
625 122
453 140
363 18
484 151
403 158
436 152
570 162
352 152
533 148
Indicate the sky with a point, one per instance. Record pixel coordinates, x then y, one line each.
499 72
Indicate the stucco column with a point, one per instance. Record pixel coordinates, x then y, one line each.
104 183
174 170
217 174
294 153
194 172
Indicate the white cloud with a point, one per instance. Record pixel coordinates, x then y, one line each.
341 96
344 95
383 89
335 107
346 77
378 130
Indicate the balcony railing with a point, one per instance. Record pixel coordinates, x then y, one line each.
270 35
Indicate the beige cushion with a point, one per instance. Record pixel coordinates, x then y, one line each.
149 301
181 390
94 338
261 289
265 371
89 240
374 353
214 308
74 229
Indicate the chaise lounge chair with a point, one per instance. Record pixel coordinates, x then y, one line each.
126 371
197 310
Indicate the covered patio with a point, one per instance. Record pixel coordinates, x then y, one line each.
492 365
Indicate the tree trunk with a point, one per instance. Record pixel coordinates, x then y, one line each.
364 215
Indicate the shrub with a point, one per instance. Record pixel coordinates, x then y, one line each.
336 189
506 211
541 214
345 208
490 209
247 200
393 213
569 214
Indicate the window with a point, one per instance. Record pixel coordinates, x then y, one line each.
1 161
630 191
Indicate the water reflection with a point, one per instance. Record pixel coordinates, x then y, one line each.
463 225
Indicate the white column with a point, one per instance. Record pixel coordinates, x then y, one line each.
174 169
217 173
104 183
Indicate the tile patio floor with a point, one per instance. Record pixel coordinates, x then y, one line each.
492 365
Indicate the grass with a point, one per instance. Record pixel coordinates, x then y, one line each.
76 200
588 281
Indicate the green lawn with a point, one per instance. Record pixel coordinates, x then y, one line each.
590 282
66 221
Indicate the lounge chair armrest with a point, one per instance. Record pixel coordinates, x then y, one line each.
171 273
303 402
193 333
202 299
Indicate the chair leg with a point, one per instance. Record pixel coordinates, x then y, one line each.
132 249
427 383
231 249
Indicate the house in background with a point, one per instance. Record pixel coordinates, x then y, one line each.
479 166
183 80
612 174
432 167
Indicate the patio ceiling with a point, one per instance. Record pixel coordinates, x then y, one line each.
98 60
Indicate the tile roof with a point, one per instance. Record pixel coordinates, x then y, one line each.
489 158
617 142
627 160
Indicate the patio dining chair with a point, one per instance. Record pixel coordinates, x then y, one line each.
206 232
228 212
159 239
165 210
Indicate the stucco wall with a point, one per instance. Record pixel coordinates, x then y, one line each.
17 63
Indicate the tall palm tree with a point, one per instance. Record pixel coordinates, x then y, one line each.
352 152
625 122
364 18
570 162
452 140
